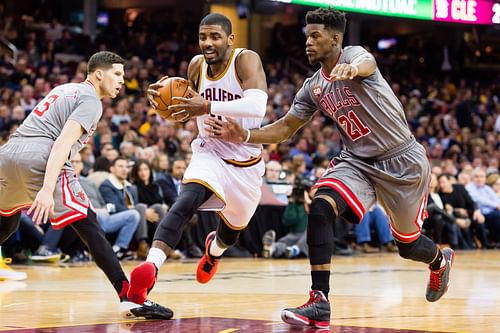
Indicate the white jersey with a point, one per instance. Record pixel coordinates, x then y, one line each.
225 87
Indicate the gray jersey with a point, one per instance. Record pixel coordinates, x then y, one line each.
370 117
76 101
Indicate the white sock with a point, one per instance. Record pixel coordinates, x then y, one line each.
156 256
116 248
215 249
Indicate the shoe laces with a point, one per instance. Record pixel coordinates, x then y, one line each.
435 279
209 263
313 298
4 262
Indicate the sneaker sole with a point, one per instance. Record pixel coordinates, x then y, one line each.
293 319
130 310
52 259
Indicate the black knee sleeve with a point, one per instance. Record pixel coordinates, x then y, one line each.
320 232
91 233
8 225
226 236
193 195
423 249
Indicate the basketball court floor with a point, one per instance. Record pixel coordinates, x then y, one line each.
370 293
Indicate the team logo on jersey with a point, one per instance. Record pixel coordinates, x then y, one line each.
81 195
317 91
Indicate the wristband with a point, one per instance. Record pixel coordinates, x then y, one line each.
248 136
205 107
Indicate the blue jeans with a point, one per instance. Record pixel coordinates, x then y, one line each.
379 220
125 223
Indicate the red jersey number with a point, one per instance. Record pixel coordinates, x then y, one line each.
45 105
353 126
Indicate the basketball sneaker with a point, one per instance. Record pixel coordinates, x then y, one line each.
208 264
142 280
7 273
315 312
439 280
147 310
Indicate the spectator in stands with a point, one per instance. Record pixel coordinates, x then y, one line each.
468 217
171 188
124 223
440 220
148 193
487 201
118 192
377 219
100 171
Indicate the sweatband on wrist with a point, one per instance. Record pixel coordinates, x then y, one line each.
248 137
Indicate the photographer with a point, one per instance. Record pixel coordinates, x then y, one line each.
295 217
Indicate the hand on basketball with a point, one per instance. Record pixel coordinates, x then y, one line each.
153 91
344 72
187 107
228 130
42 207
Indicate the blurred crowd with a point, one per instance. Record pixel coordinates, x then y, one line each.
139 158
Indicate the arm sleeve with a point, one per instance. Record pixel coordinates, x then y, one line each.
303 106
251 105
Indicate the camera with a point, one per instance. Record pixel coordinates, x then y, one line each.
300 186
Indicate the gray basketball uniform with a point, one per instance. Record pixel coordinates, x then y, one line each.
24 157
381 161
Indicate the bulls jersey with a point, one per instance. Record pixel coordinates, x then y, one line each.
225 87
62 103
369 116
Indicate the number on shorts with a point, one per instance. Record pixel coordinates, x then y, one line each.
355 131
45 105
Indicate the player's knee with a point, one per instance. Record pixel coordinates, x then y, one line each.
409 250
319 227
226 236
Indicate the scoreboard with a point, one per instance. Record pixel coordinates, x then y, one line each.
485 12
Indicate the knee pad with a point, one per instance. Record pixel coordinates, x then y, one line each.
186 205
423 249
320 222
226 236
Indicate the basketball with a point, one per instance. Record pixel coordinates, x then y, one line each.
172 87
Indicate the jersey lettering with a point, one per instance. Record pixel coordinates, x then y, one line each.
353 126
45 105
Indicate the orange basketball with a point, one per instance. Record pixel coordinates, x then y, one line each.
172 87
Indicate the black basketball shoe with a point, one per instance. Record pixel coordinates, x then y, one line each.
315 313
148 310
439 280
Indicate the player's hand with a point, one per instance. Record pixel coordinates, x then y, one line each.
151 215
192 105
43 206
153 91
228 130
344 72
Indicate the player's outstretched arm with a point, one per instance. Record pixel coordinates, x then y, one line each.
364 65
278 131
43 205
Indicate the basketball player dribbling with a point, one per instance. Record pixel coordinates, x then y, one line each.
222 176
381 161
36 173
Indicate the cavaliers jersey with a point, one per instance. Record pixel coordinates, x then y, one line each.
225 87
76 101
369 116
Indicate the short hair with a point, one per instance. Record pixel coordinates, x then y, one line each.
103 60
331 18
218 19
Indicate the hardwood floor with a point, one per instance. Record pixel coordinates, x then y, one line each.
370 293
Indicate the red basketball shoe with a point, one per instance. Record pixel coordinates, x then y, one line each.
142 280
208 264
